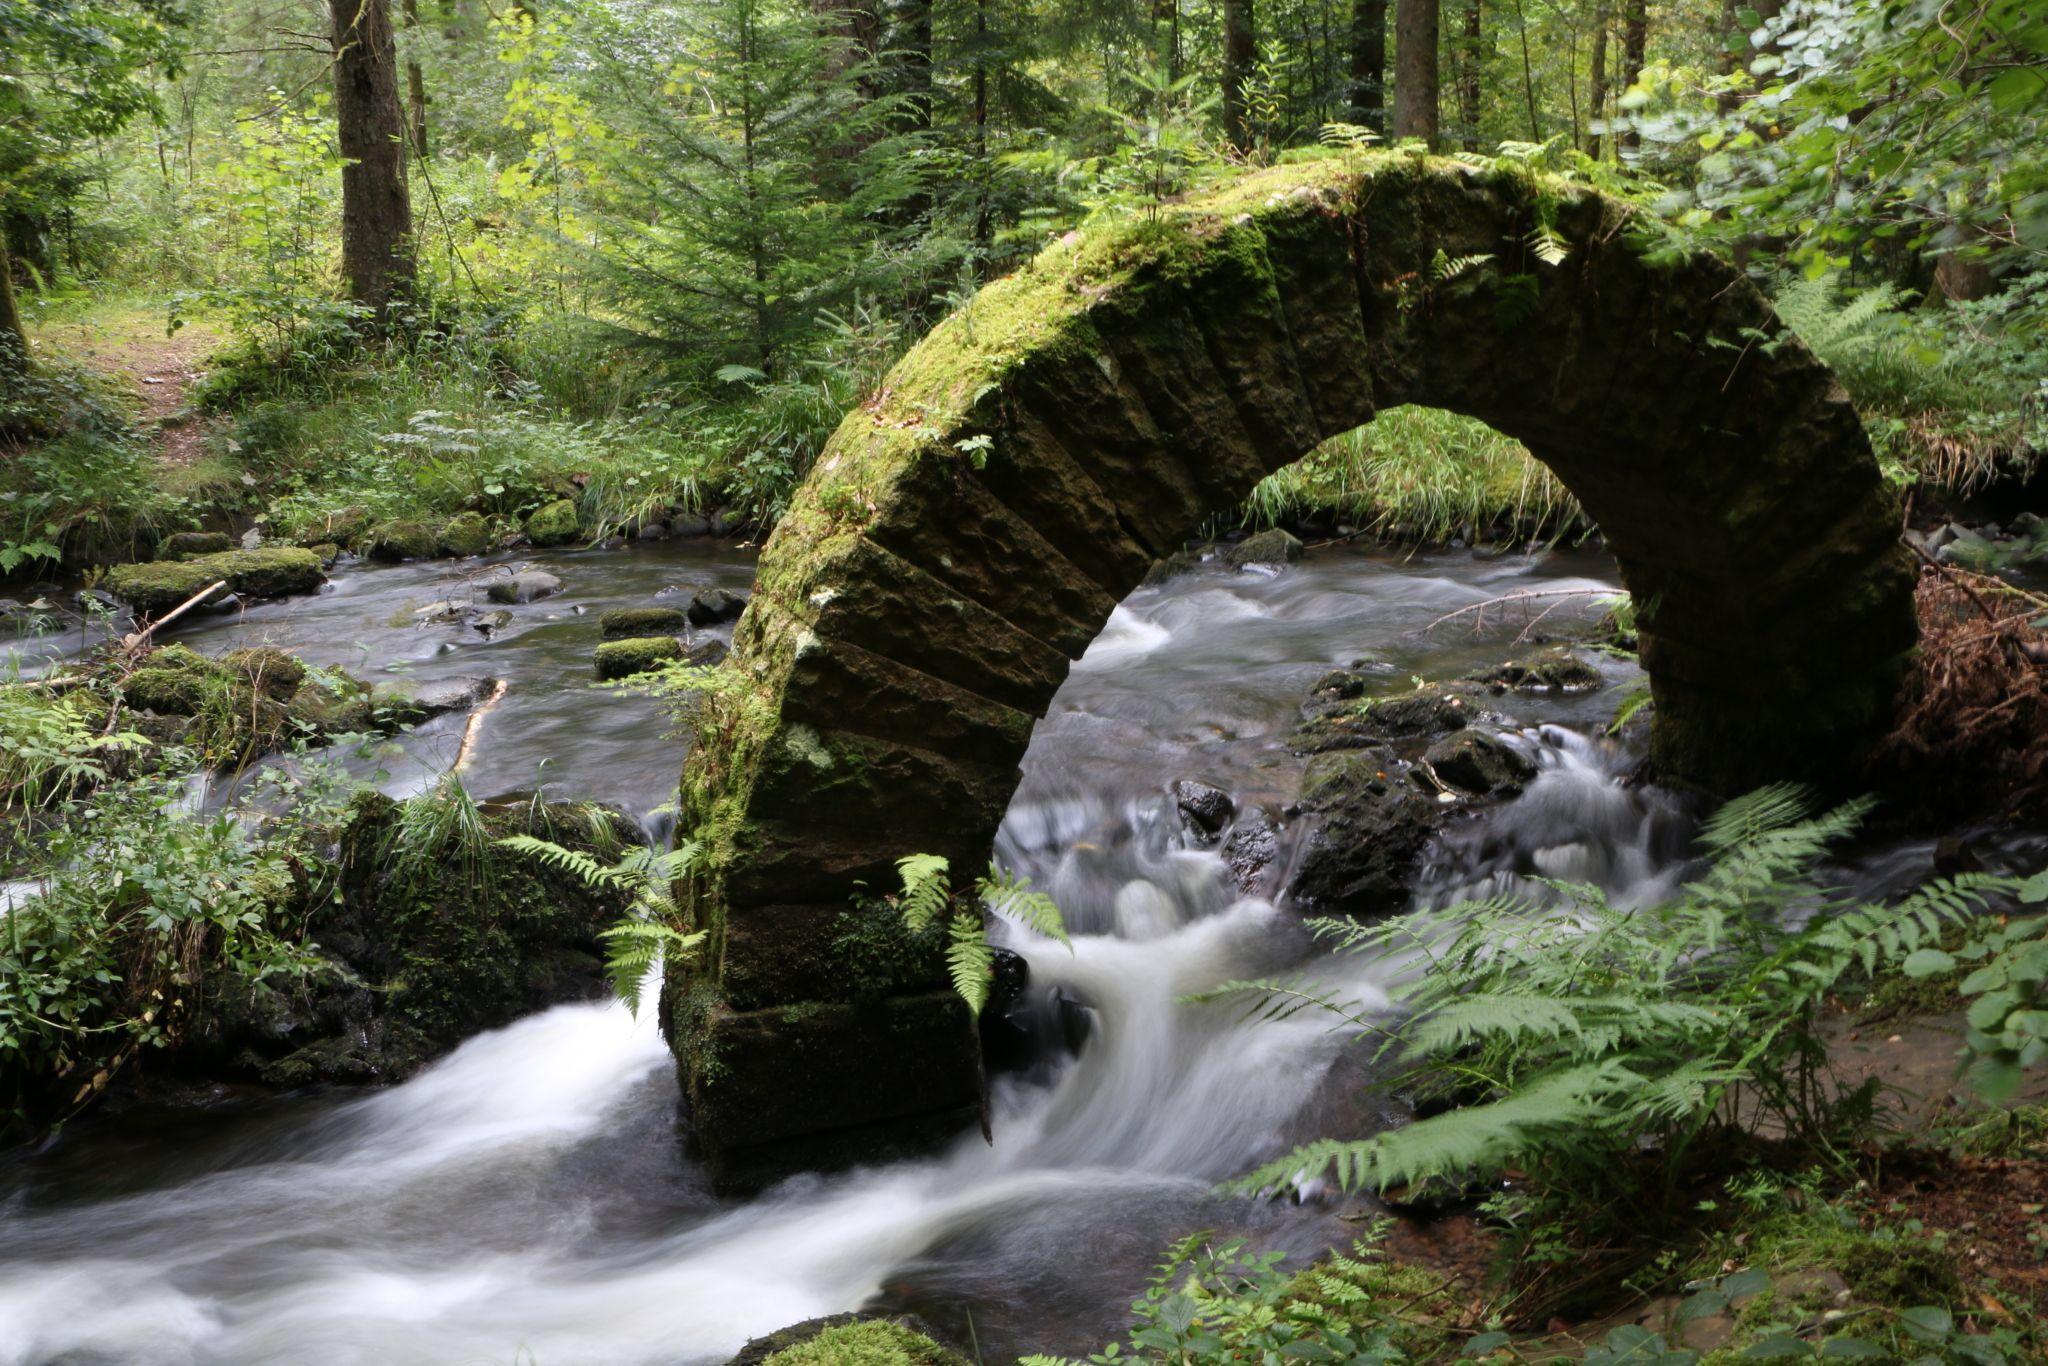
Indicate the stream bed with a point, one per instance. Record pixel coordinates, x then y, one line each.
525 1200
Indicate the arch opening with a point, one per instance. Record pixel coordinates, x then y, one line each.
968 531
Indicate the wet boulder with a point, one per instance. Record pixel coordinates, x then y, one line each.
706 653
715 605
1271 547
1334 721
183 545
1480 762
1205 809
623 623
1249 852
1172 567
1371 824
639 655
438 934
161 585
1558 670
528 585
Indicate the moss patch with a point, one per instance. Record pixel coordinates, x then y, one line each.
464 536
400 541
877 1342
554 524
624 623
272 571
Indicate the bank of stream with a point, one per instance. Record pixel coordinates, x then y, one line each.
526 1199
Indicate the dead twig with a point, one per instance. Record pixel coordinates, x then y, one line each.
136 640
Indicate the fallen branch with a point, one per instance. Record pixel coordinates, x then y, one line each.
1524 595
476 718
132 643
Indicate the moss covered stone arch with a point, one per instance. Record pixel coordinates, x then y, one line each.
967 531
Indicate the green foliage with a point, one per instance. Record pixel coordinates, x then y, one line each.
1614 1055
1210 1303
143 910
2007 994
1422 474
926 895
649 936
876 1342
55 747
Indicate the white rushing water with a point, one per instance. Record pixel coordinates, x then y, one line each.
524 1199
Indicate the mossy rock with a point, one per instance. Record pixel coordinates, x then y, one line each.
271 571
269 670
1274 546
167 692
404 540
848 1340
1554 670
465 535
642 654
183 545
624 623
554 524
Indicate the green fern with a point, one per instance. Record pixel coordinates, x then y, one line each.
970 961
1588 1036
649 932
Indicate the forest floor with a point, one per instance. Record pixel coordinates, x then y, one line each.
130 346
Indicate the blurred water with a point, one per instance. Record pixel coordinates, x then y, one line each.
525 1200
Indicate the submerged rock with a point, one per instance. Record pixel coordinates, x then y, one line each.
1555 670
1480 763
528 585
622 623
642 654
163 584
1338 719
715 605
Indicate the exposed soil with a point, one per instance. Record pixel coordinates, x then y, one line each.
160 369
1995 1211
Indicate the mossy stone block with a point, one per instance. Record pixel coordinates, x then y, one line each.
642 654
625 623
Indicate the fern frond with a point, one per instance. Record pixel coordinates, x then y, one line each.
603 876
1013 897
1744 818
969 960
926 889
633 947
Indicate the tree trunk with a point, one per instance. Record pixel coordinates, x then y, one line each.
1240 53
907 44
1635 41
1415 70
415 82
1596 98
13 337
1368 91
983 224
1166 31
1468 77
376 214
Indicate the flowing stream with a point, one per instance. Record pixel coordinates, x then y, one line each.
525 1200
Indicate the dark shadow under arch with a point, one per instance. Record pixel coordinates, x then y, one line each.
967 532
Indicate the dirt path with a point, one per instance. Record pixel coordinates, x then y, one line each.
130 346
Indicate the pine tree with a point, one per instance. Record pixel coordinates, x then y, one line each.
734 239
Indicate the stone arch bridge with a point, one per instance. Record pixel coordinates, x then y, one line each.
967 531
